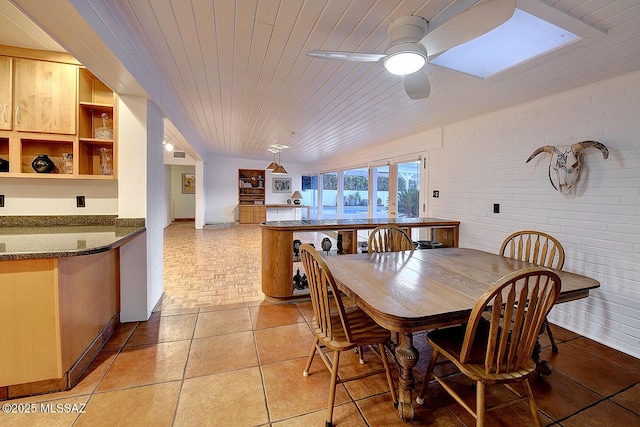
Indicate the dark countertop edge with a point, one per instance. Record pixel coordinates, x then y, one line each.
121 240
358 223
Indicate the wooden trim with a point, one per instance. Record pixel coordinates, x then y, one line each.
42 55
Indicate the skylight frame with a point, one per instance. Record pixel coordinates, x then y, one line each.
550 17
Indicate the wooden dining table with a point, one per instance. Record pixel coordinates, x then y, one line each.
407 292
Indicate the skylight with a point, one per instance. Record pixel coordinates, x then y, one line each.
520 39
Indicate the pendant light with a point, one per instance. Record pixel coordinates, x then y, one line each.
279 170
273 164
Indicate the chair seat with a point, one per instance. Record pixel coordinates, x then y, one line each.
449 341
363 330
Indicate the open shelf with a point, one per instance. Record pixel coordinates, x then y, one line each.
31 148
4 151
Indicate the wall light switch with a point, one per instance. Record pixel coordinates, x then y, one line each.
1 200
80 202
496 208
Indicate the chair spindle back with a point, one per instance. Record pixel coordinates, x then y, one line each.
325 296
389 238
518 305
534 246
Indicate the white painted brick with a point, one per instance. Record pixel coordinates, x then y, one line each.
483 162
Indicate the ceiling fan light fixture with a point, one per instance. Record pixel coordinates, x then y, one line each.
405 58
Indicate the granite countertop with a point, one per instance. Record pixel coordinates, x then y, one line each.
62 241
359 223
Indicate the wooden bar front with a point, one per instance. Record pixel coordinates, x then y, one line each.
277 245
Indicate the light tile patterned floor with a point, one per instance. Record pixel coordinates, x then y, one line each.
217 265
215 354
214 266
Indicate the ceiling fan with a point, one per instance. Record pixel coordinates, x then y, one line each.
411 42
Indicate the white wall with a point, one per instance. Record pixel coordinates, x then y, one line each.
221 186
155 206
141 185
26 196
167 196
482 162
184 205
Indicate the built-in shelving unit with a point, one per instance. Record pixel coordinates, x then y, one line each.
251 208
66 124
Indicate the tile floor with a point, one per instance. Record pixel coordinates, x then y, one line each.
215 354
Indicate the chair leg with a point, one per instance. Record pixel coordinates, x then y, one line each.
305 373
332 388
532 403
554 347
385 362
427 377
479 404
360 351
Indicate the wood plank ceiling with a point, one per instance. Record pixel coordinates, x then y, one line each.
240 73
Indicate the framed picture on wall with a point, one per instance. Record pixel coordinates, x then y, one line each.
188 183
282 185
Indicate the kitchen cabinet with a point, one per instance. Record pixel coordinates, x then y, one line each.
6 102
45 96
58 108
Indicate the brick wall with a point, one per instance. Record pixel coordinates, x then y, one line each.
482 162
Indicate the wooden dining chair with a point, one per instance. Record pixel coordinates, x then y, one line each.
389 238
497 349
338 328
539 248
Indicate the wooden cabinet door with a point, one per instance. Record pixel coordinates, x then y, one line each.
259 214
245 215
6 104
45 96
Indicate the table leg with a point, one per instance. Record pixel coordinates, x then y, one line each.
407 358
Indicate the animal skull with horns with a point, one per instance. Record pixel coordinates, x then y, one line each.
565 161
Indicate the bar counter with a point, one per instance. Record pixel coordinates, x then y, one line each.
277 245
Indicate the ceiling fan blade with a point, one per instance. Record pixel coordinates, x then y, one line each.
346 56
468 25
417 84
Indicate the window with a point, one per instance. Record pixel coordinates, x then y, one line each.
329 195
408 202
355 193
380 191
310 194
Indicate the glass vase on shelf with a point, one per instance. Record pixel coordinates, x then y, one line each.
67 162
104 132
106 161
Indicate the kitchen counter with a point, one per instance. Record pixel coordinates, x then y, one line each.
59 296
62 241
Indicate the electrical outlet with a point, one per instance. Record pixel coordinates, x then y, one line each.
436 193
80 202
1 200
496 208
